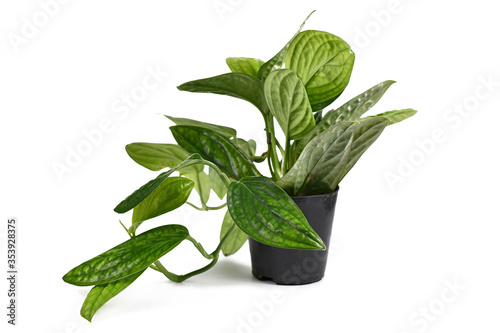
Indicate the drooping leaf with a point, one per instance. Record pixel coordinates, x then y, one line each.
156 156
128 258
170 195
248 147
352 110
277 61
227 132
140 194
324 63
244 65
288 102
101 294
201 183
216 183
235 240
266 213
239 85
215 148
321 164
396 116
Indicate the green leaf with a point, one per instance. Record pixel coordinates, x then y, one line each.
288 102
216 183
396 116
128 258
352 110
324 63
276 62
140 194
170 195
156 156
101 294
244 65
321 164
235 240
248 147
201 183
227 132
266 213
239 85
331 155
215 148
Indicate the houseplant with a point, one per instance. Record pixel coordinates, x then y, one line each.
304 77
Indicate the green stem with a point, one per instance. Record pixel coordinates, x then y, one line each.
206 208
286 157
274 164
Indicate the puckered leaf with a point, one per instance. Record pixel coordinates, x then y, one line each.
227 132
235 240
244 65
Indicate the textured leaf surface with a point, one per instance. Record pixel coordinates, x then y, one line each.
171 194
244 65
396 116
239 85
235 240
324 63
128 258
215 148
266 213
156 156
289 104
352 110
101 294
140 194
276 62
227 132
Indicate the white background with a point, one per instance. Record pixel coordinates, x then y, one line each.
395 247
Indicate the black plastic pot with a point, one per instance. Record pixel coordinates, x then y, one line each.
293 267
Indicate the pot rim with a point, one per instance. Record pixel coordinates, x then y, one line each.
303 197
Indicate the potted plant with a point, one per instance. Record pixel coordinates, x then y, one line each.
287 216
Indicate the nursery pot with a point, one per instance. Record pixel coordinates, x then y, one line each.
293 267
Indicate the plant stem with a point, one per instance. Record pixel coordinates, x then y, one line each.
286 157
274 164
206 208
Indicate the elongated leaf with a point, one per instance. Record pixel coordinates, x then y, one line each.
239 85
321 164
352 110
396 116
365 134
235 240
266 213
277 61
324 63
288 102
101 294
128 258
156 156
227 132
215 148
217 184
140 194
170 195
244 65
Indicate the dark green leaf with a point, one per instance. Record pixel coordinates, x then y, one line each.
227 132
156 156
170 195
128 258
215 148
324 63
239 85
277 61
288 102
135 198
396 116
101 294
352 110
244 65
235 240
266 213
